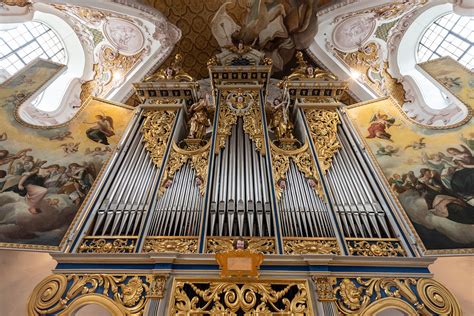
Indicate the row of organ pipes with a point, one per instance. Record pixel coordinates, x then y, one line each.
240 191
240 204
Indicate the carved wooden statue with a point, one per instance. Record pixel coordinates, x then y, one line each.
199 120
280 121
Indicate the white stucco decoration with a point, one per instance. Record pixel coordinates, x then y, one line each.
127 38
352 33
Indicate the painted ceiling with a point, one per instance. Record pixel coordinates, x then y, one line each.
278 27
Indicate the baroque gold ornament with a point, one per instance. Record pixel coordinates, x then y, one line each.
199 156
106 245
223 244
58 293
238 103
375 247
156 131
324 288
321 246
426 296
170 244
250 298
304 162
174 72
157 286
323 125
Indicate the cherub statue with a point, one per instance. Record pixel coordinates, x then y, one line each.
199 120
280 121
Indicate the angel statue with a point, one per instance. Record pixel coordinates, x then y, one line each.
280 121
199 121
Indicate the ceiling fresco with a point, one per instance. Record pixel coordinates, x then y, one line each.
278 27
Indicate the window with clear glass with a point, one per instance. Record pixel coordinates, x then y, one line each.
26 42
451 35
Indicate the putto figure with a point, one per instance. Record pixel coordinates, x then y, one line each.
280 121
199 120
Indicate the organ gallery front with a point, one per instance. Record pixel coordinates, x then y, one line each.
242 194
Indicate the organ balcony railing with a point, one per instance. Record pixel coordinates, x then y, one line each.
199 170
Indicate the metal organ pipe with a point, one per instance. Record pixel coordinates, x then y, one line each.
357 208
241 191
304 214
126 190
177 211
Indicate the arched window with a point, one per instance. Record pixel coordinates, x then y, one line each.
450 35
25 42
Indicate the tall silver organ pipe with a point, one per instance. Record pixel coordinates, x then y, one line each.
178 210
240 197
358 211
303 213
128 190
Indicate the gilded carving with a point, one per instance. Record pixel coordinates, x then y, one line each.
375 248
102 245
240 104
306 71
370 62
199 161
428 297
175 244
263 245
303 161
56 293
324 288
156 131
323 125
320 246
174 72
157 286
249 298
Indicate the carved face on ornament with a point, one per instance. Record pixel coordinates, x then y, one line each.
169 72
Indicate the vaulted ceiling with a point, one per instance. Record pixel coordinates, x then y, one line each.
194 19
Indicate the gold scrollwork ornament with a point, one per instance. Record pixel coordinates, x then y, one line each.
376 248
107 246
427 296
311 246
251 298
156 131
58 292
263 245
180 245
323 125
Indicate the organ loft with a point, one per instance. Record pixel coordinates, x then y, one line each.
248 175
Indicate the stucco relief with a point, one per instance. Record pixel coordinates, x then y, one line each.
353 32
124 36
128 41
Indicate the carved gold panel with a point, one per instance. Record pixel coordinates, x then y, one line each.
154 244
375 247
314 246
121 294
240 297
257 244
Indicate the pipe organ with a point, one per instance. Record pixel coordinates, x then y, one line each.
250 166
